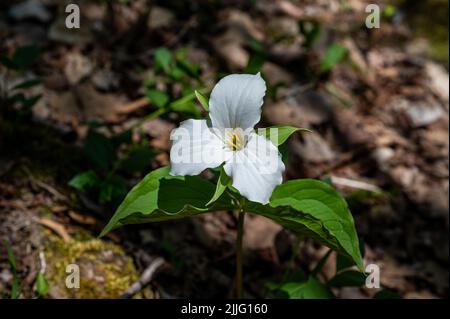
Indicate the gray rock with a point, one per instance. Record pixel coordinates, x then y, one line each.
31 9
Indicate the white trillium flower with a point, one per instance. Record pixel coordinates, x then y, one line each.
252 161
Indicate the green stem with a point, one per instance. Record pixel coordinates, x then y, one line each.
294 255
150 116
240 235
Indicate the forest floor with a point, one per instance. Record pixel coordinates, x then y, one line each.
376 99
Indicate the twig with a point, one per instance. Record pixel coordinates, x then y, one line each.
45 186
345 160
133 105
82 219
43 263
355 184
56 227
51 190
148 117
292 93
146 277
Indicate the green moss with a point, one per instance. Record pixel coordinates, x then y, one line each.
105 270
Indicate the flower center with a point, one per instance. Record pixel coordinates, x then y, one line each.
235 140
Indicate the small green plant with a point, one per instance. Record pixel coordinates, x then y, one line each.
15 284
389 11
302 285
311 32
173 69
13 100
258 56
111 158
334 54
42 286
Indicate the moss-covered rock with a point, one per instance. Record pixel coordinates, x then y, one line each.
105 270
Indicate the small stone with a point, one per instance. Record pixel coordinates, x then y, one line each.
160 17
31 9
105 80
383 154
422 114
77 67
260 232
314 149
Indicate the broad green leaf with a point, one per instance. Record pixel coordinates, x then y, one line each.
160 197
278 134
343 262
188 97
177 73
349 278
186 108
163 57
181 54
137 160
255 63
334 54
84 181
186 104
25 56
314 209
100 150
95 124
311 289
309 207
258 55
22 58
203 100
42 285
284 151
27 84
7 62
222 183
190 68
112 188
158 98
124 137
29 102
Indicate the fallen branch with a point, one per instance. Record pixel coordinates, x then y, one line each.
133 105
146 277
355 184
41 184
43 262
82 219
56 227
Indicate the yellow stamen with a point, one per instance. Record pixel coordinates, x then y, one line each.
234 142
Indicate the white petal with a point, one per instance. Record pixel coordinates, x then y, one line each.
236 101
195 148
257 169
